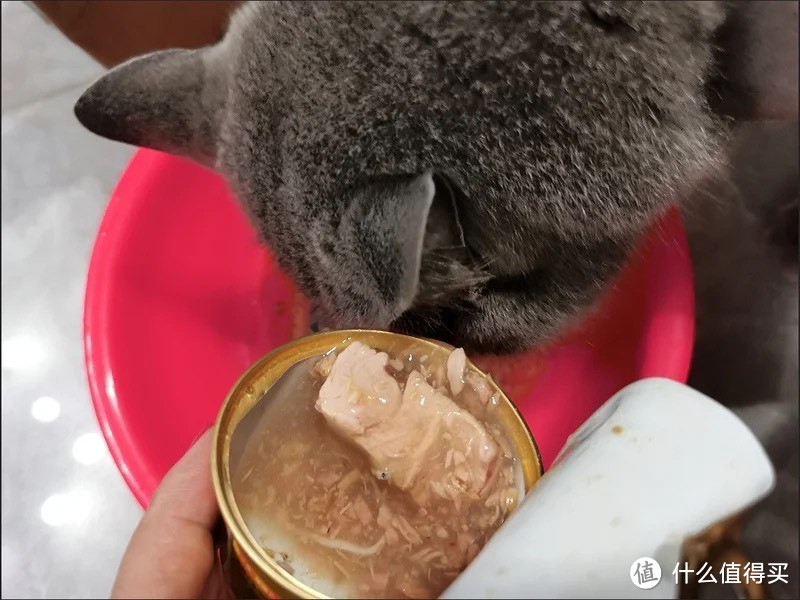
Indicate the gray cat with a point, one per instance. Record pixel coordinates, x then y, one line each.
474 171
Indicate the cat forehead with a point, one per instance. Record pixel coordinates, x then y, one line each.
485 23
428 72
387 54
318 49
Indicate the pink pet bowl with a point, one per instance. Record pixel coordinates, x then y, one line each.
181 299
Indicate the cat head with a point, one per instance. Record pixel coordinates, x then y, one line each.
474 171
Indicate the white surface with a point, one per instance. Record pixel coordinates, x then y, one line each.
66 513
656 464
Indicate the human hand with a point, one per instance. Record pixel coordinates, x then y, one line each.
171 553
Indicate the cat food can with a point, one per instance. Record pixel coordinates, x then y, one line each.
250 570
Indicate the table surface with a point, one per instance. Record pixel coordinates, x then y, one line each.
66 513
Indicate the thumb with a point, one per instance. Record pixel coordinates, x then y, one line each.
171 552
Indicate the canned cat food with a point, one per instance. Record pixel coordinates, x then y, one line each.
364 463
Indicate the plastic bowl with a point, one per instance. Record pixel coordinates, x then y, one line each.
182 299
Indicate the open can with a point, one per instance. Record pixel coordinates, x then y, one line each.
249 569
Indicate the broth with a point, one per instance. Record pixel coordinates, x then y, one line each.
313 500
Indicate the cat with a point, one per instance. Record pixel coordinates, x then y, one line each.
478 172
475 172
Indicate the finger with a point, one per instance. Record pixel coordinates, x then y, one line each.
171 553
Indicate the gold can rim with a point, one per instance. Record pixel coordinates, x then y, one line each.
251 386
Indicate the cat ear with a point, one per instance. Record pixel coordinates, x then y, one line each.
371 263
757 62
168 100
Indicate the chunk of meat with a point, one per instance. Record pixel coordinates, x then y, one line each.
456 363
359 392
420 440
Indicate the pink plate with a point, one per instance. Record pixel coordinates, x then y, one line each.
181 299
